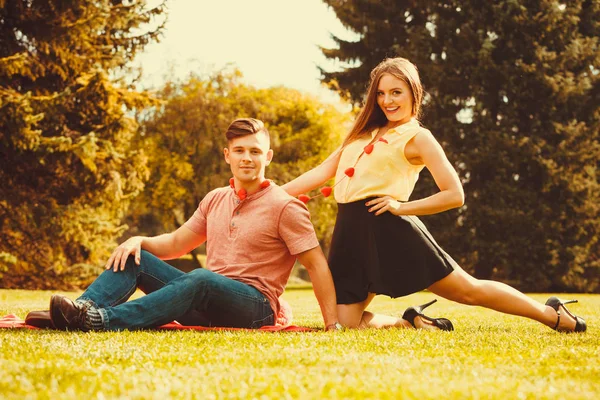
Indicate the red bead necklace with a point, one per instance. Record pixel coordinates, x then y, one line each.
243 193
349 173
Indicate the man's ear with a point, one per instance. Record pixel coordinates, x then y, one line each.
269 156
226 154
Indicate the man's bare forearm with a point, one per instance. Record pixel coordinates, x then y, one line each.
315 263
162 246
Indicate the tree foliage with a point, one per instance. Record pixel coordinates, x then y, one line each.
185 138
68 168
514 98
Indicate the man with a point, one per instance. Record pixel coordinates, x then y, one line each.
254 232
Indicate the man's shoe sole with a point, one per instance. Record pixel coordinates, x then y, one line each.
39 319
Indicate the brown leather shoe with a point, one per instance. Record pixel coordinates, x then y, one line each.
40 319
66 314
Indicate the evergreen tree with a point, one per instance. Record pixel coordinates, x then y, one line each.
514 98
67 165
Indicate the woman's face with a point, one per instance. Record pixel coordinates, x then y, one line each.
395 99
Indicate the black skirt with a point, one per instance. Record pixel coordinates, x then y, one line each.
383 254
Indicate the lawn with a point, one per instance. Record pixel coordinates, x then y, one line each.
489 356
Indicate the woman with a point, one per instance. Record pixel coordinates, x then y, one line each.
378 245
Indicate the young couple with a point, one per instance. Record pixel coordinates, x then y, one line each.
254 231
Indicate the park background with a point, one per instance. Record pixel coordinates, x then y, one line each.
105 133
112 116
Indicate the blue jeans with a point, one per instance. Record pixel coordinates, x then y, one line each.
200 297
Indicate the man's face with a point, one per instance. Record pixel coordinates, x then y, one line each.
248 156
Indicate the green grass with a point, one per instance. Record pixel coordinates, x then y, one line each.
489 356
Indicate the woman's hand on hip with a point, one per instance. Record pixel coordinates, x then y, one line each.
383 204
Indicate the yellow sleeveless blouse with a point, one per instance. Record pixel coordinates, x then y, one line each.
385 171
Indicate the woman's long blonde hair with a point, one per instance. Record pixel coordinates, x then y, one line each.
371 116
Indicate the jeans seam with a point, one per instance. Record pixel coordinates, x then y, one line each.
153 276
132 290
127 295
249 297
259 296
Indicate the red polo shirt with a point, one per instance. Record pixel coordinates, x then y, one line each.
254 240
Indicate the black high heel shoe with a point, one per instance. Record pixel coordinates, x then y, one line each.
413 312
556 303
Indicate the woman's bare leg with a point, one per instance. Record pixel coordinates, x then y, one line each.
465 289
355 316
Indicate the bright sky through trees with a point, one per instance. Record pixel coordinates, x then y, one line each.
273 42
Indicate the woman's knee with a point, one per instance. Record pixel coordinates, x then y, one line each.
350 315
348 322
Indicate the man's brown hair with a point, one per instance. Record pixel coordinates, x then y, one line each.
245 126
